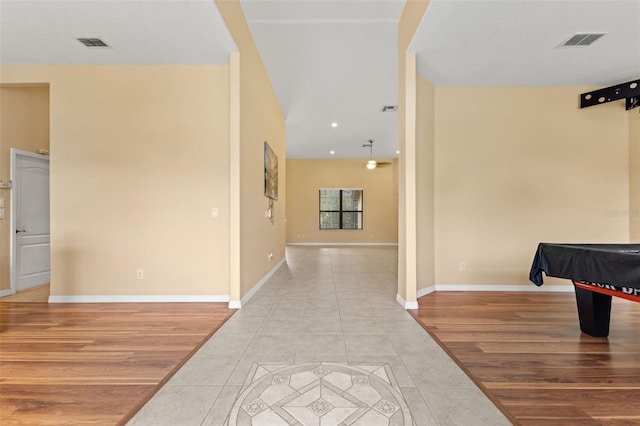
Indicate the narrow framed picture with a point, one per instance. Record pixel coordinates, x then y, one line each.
270 172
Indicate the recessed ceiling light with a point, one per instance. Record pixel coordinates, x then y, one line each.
332 152
397 152
334 124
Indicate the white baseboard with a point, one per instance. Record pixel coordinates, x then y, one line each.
405 304
501 287
237 304
426 290
491 287
342 244
160 298
7 292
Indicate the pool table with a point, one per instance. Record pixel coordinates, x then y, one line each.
598 272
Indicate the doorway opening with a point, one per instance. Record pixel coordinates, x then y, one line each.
30 224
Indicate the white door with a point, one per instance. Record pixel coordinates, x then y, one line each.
31 220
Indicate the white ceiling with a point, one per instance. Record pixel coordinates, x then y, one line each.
336 60
330 62
515 43
138 32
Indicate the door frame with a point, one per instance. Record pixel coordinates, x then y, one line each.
14 153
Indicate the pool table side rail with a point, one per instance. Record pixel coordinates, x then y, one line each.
604 289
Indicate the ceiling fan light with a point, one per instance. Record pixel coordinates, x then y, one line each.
371 164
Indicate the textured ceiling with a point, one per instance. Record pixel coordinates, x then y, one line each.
138 32
515 43
331 62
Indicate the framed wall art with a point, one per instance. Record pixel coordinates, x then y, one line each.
270 172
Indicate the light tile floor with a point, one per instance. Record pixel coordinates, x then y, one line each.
322 343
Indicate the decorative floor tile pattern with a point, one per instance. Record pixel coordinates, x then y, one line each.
320 394
323 342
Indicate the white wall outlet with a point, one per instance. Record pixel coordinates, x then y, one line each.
140 274
214 212
463 266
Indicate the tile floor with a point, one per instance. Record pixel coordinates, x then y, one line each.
322 343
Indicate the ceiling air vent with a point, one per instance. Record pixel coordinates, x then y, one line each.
582 39
389 108
93 42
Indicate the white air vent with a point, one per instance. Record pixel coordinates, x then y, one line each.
93 42
389 108
581 39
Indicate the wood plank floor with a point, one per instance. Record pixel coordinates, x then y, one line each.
35 294
526 351
94 363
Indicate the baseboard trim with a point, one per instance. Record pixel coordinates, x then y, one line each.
405 304
342 244
426 290
501 287
159 298
7 292
237 304
498 287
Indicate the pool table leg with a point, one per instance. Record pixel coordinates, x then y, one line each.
594 312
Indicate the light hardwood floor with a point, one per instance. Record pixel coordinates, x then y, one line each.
527 353
36 294
93 363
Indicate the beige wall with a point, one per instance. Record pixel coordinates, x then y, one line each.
306 177
517 166
411 17
634 175
141 160
260 119
24 125
139 157
425 144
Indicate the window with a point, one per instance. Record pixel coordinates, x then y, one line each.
341 208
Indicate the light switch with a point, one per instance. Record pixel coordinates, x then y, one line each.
214 212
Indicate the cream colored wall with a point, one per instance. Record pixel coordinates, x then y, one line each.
139 159
425 144
411 17
634 175
260 119
517 166
24 125
306 177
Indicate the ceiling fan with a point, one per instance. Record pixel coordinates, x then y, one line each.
372 164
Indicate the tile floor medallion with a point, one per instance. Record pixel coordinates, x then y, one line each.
320 394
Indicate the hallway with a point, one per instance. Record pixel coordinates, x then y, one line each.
323 342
